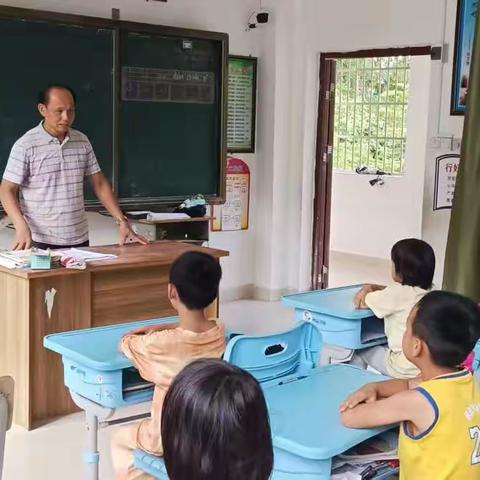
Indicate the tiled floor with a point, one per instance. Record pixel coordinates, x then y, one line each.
348 269
53 452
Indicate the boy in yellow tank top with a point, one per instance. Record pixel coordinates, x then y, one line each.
440 412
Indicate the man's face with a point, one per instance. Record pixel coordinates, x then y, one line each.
59 112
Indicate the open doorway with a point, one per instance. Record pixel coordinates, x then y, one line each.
370 161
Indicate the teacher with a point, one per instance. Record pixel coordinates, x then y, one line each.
42 190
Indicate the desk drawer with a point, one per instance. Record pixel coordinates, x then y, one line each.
128 295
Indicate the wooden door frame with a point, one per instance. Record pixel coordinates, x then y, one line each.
324 154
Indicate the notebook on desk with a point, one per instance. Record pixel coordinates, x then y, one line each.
85 255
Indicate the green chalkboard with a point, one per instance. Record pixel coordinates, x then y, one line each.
151 99
170 120
34 54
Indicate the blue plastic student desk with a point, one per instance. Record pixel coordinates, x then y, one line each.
332 311
305 421
100 378
303 400
306 427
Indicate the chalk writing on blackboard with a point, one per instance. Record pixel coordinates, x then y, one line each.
162 85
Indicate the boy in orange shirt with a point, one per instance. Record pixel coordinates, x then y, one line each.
162 351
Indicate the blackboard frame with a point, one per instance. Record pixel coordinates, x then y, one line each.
251 148
26 14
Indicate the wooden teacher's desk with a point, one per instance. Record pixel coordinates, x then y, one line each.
38 303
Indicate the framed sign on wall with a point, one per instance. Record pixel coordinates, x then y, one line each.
467 11
446 169
242 93
234 213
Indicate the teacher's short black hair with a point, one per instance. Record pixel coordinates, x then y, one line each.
414 262
196 276
215 425
44 95
450 326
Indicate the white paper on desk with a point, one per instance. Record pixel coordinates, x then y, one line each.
8 263
85 256
15 258
166 216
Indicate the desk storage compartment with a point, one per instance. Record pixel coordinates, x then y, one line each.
340 323
134 385
292 467
346 333
113 389
379 458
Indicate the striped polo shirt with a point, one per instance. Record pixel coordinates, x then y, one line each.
51 176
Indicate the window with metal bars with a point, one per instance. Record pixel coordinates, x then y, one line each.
371 102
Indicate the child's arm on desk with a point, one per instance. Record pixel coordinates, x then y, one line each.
359 300
145 345
385 403
152 328
376 391
145 330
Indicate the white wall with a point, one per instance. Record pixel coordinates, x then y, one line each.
216 15
274 255
345 25
299 32
435 224
368 220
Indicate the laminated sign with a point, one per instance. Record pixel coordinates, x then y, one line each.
233 214
445 178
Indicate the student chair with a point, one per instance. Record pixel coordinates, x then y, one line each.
267 358
271 357
6 411
151 464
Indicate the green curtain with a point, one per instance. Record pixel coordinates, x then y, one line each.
462 261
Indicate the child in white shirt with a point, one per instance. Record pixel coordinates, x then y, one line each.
413 266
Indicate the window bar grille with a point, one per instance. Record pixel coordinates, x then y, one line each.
378 112
362 104
370 108
345 138
405 105
397 72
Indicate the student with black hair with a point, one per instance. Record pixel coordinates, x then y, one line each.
161 352
413 266
440 431
215 425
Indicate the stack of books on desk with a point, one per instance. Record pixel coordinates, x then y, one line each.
15 258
